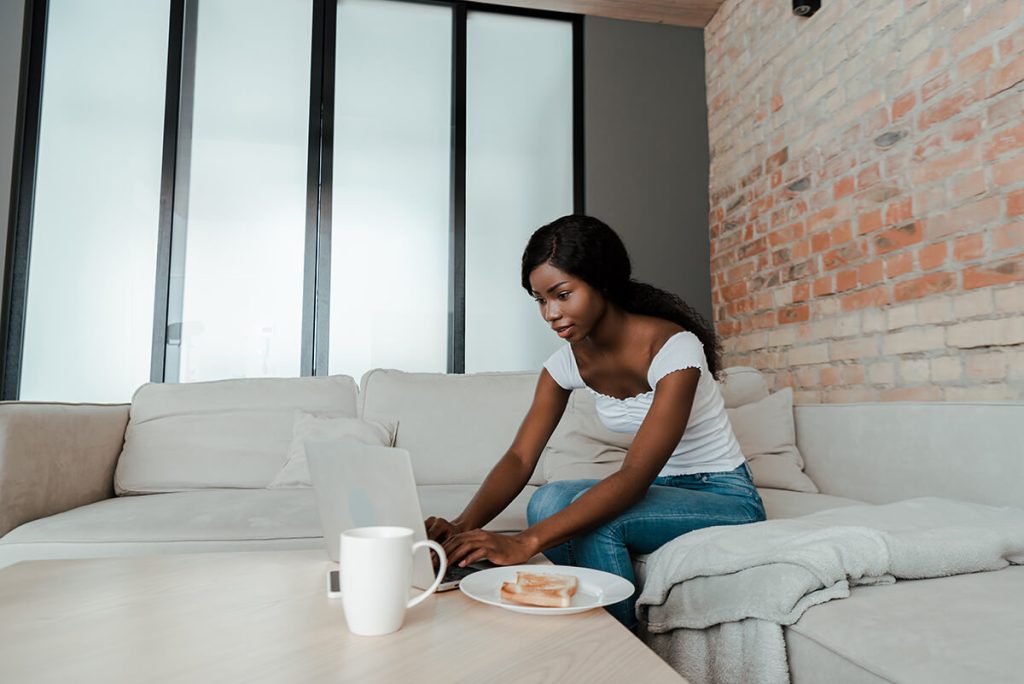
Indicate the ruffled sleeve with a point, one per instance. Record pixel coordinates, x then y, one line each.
562 367
682 350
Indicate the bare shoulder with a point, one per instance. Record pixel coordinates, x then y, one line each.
655 332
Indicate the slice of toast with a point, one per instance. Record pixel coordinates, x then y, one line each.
547 590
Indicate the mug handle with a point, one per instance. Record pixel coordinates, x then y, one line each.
440 573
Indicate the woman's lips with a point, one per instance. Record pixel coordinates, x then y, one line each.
564 330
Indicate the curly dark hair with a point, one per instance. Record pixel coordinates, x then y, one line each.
586 248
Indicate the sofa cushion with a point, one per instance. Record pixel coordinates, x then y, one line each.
456 427
767 438
226 433
781 503
947 629
889 451
209 520
741 385
295 471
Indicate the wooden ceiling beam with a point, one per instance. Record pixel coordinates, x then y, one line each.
694 13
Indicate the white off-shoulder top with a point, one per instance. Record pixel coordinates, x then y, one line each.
708 444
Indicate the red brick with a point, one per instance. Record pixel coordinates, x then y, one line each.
830 377
966 129
903 104
996 273
871 273
869 222
1008 237
986 23
950 106
846 280
969 247
932 256
801 292
897 212
800 249
1009 172
876 296
1009 75
1004 141
965 218
820 242
970 184
1015 203
940 168
843 187
776 160
974 64
735 291
794 314
896 238
840 257
823 286
899 264
782 236
924 286
868 176
821 218
841 234
934 86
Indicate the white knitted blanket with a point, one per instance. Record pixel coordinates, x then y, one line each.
715 600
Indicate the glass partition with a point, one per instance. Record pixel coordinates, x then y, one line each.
89 307
519 176
391 221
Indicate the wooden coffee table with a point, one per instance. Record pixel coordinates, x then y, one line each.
264 617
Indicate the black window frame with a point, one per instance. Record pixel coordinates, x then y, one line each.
174 180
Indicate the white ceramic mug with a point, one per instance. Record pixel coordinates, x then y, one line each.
376 573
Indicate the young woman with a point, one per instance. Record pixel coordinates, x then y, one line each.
650 362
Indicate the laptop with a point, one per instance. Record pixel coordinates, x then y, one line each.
359 485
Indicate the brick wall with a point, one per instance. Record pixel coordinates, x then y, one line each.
867 196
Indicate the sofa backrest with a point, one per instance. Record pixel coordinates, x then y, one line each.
226 433
455 426
885 452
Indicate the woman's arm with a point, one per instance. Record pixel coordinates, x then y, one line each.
511 473
654 443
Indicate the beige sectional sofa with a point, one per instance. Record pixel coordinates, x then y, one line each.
185 468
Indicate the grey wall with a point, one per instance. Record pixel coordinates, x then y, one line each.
11 19
647 149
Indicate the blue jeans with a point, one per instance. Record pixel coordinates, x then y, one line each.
672 506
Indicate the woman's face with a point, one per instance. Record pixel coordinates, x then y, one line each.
569 305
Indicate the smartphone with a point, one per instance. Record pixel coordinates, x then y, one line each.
333 584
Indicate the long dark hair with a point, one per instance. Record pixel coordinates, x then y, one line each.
586 248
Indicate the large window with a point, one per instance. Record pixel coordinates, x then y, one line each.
228 188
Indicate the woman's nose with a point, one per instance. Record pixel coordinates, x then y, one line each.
552 313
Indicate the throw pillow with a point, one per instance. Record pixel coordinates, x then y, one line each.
767 437
295 471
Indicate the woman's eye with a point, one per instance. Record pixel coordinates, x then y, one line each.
563 295
538 300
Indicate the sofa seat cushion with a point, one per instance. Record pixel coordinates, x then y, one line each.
964 628
207 520
782 503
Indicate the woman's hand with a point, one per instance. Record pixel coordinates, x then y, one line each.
469 547
439 529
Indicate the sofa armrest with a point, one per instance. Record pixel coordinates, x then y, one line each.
55 457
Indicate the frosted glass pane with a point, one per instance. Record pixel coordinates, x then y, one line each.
242 303
518 177
389 254
89 317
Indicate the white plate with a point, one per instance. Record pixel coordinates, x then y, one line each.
597 588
